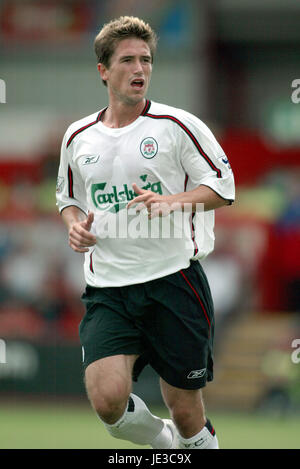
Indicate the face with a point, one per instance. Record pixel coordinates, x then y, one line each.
129 72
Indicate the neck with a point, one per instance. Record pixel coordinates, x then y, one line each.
121 114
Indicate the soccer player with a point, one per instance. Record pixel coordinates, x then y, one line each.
147 298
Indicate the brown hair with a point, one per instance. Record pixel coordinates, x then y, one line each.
124 27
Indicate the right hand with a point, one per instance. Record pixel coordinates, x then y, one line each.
80 238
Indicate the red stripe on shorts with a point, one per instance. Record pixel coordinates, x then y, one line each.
197 296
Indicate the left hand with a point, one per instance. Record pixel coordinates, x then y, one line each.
156 204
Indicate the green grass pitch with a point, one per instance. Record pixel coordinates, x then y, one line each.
71 426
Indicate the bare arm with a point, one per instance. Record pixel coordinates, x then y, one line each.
202 194
156 204
79 226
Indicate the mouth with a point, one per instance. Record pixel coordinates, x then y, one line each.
137 83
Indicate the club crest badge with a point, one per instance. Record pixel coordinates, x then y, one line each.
149 147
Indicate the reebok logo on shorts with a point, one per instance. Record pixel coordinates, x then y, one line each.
196 373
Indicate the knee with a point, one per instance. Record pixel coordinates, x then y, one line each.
110 409
186 408
109 400
181 413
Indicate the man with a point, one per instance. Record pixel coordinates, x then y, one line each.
147 298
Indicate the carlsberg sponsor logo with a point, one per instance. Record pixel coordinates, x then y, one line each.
117 198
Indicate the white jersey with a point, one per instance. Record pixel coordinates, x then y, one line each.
165 150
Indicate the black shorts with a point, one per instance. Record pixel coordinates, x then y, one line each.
169 322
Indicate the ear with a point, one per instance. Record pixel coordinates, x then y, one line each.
103 71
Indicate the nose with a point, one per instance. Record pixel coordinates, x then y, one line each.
138 68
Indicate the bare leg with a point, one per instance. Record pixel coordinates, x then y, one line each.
108 383
186 408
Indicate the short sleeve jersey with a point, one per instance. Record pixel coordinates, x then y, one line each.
165 150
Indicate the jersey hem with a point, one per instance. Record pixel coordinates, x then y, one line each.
144 280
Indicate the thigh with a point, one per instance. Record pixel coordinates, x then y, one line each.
110 376
108 384
106 330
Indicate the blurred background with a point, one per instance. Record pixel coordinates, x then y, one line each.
234 64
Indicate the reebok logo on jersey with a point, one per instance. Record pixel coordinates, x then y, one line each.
196 373
116 200
91 159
